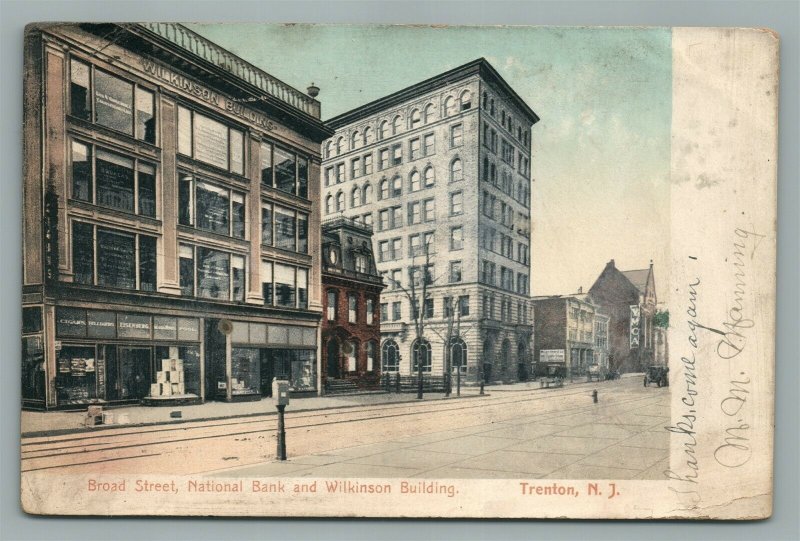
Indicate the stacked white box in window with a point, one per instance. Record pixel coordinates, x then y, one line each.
169 380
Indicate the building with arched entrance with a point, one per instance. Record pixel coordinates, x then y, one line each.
441 171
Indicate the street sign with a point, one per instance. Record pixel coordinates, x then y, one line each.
551 356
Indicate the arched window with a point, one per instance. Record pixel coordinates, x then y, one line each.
329 149
429 177
428 113
491 107
369 135
329 204
355 197
397 123
414 183
340 145
340 201
421 353
390 356
384 189
449 106
367 194
458 354
466 100
355 140
416 118
456 170
485 100
384 129
397 186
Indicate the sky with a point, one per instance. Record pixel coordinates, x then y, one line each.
601 151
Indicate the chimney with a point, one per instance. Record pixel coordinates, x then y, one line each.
580 289
610 264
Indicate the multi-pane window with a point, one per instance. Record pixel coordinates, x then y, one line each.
428 308
447 307
284 228
450 107
331 305
456 135
112 258
210 141
456 203
352 308
287 171
369 135
397 154
107 100
284 285
384 127
383 158
370 309
428 210
390 356
211 274
397 124
112 180
456 238
429 177
455 272
355 168
362 263
456 171
415 212
210 207
369 349
430 144
384 311
415 181
397 187
328 173
367 164
488 273
414 150
416 118
463 305
420 243
396 310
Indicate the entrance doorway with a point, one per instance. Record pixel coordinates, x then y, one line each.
332 355
136 370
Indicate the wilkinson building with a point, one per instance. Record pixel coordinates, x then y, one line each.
441 171
170 194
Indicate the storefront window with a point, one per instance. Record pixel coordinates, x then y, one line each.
296 366
33 374
285 229
213 274
285 287
76 375
114 181
245 371
116 259
190 365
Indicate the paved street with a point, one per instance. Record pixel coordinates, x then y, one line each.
520 433
516 431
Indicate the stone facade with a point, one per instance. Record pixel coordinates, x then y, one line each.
565 329
444 164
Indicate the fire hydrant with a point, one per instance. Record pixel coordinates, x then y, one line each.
594 396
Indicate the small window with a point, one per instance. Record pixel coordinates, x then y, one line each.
456 134
449 106
456 238
415 181
466 100
352 311
416 119
397 125
331 305
429 177
429 113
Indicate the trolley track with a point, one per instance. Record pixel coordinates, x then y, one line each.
53 457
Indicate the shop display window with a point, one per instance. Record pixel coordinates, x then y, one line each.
76 375
298 366
33 370
245 371
186 371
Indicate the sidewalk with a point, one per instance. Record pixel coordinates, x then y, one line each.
37 423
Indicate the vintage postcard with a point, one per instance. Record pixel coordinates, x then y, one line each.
389 271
